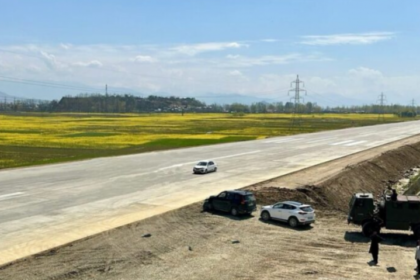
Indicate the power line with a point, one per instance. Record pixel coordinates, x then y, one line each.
9 79
43 84
296 99
413 104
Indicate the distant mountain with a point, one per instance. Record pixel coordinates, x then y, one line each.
9 98
231 98
333 100
323 100
3 95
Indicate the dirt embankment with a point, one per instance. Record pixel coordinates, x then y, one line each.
371 176
188 244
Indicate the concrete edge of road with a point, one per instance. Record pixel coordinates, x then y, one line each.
20 252
380 147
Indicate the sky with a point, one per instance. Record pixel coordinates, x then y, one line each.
344 51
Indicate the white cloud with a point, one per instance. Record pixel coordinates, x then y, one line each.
51 61
365 73
269 40
195 49
242 61
235 73
319 82
144 58
65 46
347 39
93 64
232 56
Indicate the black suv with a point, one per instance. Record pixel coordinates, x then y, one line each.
236 202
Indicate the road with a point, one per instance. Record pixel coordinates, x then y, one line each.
48 206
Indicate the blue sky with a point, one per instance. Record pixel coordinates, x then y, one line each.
355 49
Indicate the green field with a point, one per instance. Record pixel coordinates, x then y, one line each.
32 139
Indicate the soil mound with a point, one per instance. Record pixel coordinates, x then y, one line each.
372 176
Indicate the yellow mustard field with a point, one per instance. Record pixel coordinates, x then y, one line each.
29 139
119 131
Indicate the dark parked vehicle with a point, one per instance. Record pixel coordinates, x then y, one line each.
234 202
400 212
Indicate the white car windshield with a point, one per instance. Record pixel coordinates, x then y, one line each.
202 163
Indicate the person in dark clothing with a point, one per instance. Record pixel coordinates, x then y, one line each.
374 246
417 257
394 195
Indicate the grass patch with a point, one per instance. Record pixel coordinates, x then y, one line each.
413 187
187 142
91 134
11 156
21 131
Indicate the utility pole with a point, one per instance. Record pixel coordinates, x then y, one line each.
413 104
106 98
296 99
381 101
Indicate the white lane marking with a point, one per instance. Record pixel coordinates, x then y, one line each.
192 162
321 140
355 143
237 155
367 134
10 195
169 167
342 142
283 140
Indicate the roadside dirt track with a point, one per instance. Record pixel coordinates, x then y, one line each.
189 244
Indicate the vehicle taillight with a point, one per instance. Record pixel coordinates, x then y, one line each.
302 213
243 200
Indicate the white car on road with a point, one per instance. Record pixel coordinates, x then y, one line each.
205 166
292 212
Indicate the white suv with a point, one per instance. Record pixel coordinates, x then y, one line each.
292 212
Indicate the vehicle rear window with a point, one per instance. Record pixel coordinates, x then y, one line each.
250 197
307 209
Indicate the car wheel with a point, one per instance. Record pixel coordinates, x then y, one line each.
215 169
205 171
234 212
265 216
207 206
293 222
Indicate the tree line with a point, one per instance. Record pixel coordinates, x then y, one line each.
99 103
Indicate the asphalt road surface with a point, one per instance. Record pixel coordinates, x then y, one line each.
44 207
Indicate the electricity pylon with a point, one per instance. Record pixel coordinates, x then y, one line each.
296 99
381 101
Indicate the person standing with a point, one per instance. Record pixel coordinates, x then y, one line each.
374 246
417 257
394 195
